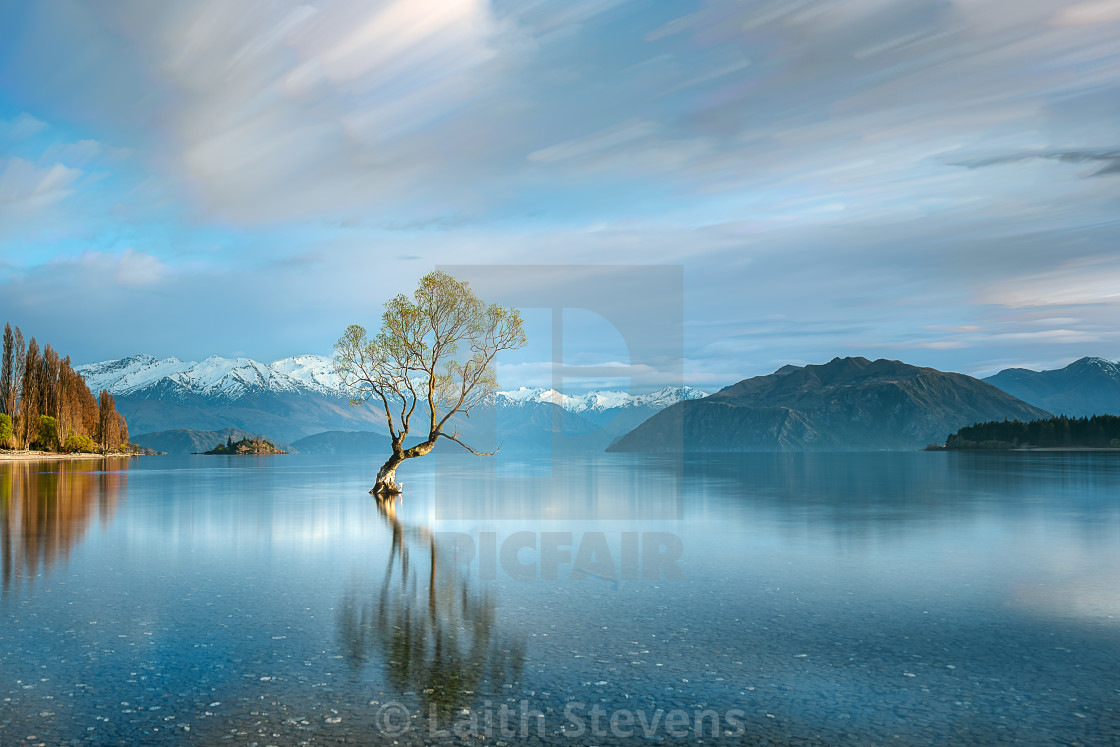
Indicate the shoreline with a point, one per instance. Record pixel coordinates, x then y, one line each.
1068 448
1047 449
54 456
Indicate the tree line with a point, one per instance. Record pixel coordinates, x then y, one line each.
45 404
1098 431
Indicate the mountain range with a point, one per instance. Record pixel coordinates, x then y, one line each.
845 404
848 403
215 378
1089 386
297 397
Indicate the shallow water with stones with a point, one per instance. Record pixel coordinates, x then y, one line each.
889 598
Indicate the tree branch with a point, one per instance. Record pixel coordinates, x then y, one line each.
476 453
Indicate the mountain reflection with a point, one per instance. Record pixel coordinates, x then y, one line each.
860 495
46 509
435 634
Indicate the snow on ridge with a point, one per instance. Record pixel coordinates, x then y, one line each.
312 371
670 395
128 375
233 378
228 378
602 400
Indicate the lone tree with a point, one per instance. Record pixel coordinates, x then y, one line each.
433 358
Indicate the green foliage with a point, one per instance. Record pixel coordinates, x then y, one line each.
79 444
7 433
434 353
1098 431
47 439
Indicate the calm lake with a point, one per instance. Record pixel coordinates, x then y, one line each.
894 598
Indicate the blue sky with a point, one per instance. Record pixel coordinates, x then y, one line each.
933 181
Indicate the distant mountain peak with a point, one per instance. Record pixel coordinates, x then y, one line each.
855 360
1087 386
1093 362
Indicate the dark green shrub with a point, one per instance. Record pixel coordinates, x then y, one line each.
48 434
7 433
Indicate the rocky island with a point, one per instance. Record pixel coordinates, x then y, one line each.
246 446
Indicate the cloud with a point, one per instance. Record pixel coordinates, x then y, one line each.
434 223
72 302
1087 13
82 153
281 111
1108 158
543 373
26 187
21 127
264 112
127 269
1077 282
402 109
605 140
986 339
547 16
56 188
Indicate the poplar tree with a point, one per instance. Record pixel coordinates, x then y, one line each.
30 404
11 394
6 363
18 363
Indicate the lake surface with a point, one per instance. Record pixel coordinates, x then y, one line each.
924 598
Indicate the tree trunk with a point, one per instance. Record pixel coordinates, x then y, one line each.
386 484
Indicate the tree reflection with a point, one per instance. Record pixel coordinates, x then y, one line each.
435 634
46 509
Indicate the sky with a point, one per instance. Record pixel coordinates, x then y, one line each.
934 181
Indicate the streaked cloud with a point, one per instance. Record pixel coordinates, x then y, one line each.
82 153
1106 160
26 186
20 127
1088 12
1073 283
605 140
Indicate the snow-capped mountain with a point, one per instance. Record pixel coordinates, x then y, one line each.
601 401
1088 386
296 397
234 378
216 377
312 371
